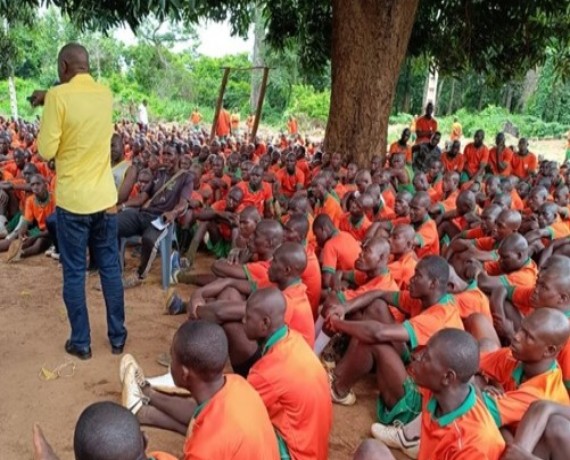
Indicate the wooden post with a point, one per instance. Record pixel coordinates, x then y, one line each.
219 102
259 104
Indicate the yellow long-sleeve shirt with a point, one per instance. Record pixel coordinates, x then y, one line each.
76 130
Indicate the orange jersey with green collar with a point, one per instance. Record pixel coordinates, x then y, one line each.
425 323
382 282
435 190
290 182
406 150
35 211
358 230
451 164
516 201
520 393
312 278
448 204
294 387
221 430
475 157
403 269
427 238
389 198
472 300
558 229
525 276
495 158
487 243
331 207
472 233
340 253
467 433
225 229
298 313
523 166
256 198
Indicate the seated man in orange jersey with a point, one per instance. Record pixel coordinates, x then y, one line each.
460 216
427 239
454 420
537 196
512 378
476 155
401 146
382 341
385 226
550 228
32 239
370 273
500 157
403 259
290 178
289 378
325 202
256 192
355 220
453 160
338 250
106 431
199 353
401 174
524 162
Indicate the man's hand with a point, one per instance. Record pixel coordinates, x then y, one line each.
196 300
37 98
503 326
169 217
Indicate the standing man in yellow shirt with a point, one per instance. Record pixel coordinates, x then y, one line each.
456 130
76 130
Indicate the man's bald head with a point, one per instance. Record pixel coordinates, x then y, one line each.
510 218
73 59
514 242
549 325
421 199
264 313
291 257
270 229
296 229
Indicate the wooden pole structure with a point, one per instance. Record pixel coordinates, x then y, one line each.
219 102
259 103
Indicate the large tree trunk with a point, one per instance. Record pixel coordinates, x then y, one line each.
257 58
369 43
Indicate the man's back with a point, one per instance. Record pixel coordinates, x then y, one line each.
76 130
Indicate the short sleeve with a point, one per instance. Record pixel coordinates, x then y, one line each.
329 257
29 210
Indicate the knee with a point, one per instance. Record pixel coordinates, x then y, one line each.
557 431
369 449
377 310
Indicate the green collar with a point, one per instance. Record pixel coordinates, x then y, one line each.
450 417
293 282
472 285
567 313
358 224
277 336
518 372
445 299
419 224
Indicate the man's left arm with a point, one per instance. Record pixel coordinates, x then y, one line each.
50 133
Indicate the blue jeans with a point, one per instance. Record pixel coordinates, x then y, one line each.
75 233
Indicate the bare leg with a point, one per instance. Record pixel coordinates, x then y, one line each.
151 416
556 438
390 374
196 240
37 247
371 449
167 411
512 313
198 279
241 349
355 364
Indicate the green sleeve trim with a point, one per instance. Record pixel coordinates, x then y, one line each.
567 384
350 277
550 231
510 292
493 408
441 208
341 297
505 281
248 276
329 270
396 299
420 240
413 337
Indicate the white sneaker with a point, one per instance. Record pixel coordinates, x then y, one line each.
348 400
133 398
55 255
129 360
165 384
393 436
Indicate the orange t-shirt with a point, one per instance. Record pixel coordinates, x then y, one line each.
557 230
406 150
292 126
403 269
289 182
520 298
298 313
427 238
453 163
467 433
383 282
448 204
525 276
516 201
475 157
522 166
340 253
425 323
38 212
357 230
225 229
220 429
303 165
472 300
257 273
256 198
195 118
312 278
389 198
505 156
331 207
425 124
223 124
519 395
294 387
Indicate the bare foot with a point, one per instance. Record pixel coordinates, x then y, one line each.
42 449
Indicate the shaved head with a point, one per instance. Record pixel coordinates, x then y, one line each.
406 231
299 225
514 243
550 325
421 199
292 255
272 230
511 218
458 351
264 313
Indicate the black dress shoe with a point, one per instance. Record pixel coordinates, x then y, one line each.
117 350
73 350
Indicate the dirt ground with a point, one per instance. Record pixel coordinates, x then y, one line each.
33 329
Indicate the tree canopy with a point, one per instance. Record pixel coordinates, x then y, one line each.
499 38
